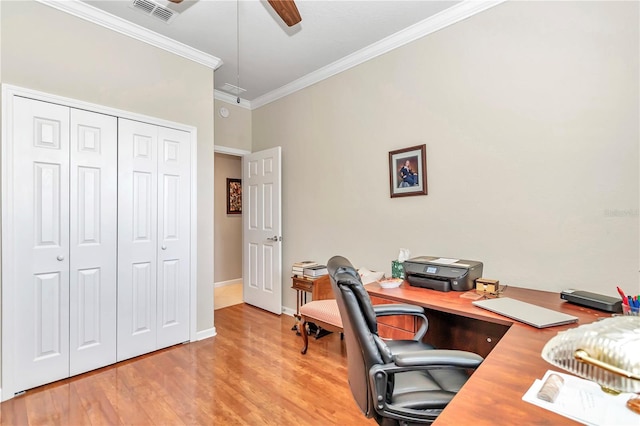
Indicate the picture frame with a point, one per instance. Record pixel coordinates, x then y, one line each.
408 171
234 196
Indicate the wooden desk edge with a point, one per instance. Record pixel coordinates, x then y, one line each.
495 389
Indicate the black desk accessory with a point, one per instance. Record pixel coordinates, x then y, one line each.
592 300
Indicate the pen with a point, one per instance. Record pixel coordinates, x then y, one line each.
624 298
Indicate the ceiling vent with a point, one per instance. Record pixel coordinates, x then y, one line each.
230 88
154 9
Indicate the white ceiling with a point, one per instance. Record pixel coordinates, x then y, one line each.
277 60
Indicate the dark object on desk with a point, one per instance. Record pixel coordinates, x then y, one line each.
394 381
442 274
592 300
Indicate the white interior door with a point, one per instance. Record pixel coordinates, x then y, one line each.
262 227
174 188
137 237
40 216
92 278
154 207
60 233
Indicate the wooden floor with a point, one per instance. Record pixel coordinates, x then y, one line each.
227 295
251 373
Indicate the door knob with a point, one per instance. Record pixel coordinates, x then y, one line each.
60 258
163 247
274 238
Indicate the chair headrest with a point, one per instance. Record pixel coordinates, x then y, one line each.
341 265
343 274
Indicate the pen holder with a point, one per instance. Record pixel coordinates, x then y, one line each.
628 310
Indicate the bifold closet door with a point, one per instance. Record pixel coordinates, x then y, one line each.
64 255
153 237
174 201
41 234
93 240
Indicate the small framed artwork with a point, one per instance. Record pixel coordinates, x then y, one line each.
408 171
234 196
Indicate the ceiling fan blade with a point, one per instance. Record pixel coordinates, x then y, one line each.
287 10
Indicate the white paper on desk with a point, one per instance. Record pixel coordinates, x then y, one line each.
445 261
584 401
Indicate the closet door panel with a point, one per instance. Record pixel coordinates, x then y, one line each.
173 235
40 215
137 238
93 239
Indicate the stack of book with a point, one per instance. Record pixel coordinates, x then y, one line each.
298 268
315 271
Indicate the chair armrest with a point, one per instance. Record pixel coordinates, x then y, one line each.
379 376
404 309
397 309
446 357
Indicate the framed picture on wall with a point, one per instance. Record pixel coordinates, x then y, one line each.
234 196
408 171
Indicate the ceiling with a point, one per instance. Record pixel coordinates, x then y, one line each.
276 60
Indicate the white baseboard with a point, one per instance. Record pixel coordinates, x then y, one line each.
288 311
229 282
205 334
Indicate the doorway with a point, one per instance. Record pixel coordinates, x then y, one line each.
227 234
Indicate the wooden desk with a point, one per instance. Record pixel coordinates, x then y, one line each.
493 394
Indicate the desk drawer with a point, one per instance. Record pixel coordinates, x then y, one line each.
302 284
397 326
387 332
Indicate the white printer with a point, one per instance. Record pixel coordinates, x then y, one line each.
442 274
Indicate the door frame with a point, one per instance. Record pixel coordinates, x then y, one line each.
236 152
9 92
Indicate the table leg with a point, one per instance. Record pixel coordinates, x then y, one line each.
297 315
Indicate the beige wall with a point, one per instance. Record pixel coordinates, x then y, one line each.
235 130
232 132
54 52
529 112
227 232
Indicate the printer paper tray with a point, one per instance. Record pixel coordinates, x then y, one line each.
420 281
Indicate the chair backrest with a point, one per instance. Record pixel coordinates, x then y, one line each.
364 347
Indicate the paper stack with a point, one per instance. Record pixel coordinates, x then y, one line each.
315 271
297 270
583 401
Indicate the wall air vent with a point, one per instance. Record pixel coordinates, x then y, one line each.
154 9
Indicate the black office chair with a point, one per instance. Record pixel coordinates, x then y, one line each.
395 382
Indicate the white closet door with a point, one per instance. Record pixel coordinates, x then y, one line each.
93 233
41 233
137 238
173 236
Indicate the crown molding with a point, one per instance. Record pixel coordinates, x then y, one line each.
450 16
226 97
92 14
218 149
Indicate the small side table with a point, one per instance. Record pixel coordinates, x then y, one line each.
320 288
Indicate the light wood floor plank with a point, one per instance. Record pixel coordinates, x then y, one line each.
251 373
